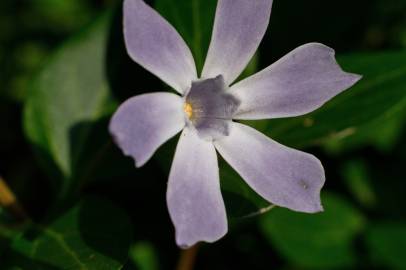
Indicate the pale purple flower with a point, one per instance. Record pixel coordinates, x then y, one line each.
299 83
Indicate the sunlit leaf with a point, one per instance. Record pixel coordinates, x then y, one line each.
69 96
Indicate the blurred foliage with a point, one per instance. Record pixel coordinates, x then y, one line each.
92 235
190 18
331 234
144 256
357 179
68 97
386 243
64 69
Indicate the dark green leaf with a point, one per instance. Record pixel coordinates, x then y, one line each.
144 256
390 126
356 176
6 234
62 15
92 235
387 244
194 21
316 241
68 97
8 230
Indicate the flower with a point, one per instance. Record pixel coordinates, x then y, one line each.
299 83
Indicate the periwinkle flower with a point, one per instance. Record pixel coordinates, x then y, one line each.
299 83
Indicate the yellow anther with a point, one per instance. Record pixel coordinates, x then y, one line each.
188 110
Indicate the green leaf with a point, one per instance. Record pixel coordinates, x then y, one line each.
68 98
92 235
144 256
193 19
358 180
9 230
381 92
61 15
6 234
387 244
390 126
3 244
322 240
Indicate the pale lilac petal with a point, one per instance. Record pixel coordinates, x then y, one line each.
283 176
238 29
154 44
297 84
145 122
194 199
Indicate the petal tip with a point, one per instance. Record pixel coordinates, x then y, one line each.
356 77
317 46
184 244
352 78
118 140
138 163
189 241
311 209
318 207
321 209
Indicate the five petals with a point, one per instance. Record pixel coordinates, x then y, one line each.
300 82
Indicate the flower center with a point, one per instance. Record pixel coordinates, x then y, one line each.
209 108
187 107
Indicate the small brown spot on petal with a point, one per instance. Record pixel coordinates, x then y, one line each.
304 184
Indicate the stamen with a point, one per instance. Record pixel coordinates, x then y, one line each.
187 107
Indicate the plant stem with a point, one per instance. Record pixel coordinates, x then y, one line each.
187 258
9 201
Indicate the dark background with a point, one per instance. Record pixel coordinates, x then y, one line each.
364 225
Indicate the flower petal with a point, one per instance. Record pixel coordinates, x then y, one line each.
283 176
154 44
145 122
297 84
194 198
239 27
